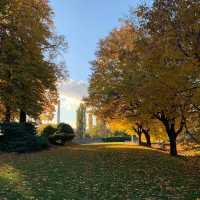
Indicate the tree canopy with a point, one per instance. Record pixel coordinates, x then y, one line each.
29 46
150 69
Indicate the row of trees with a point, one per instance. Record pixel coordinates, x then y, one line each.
28 50
149 68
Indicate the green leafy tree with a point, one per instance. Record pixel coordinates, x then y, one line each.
29 46
81 120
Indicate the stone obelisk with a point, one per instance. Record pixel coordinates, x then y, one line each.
58 112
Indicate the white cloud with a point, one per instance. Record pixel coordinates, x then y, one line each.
73 89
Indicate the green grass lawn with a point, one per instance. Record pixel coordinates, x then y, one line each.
93 172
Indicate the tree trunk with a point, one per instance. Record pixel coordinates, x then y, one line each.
22 117
172 140
140 138
7 115
148 138
170 128
138 130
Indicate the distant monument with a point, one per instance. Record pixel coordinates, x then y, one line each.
58 112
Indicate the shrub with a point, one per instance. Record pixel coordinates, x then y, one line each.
63 134
65 128
42 142
20 138
48 131
117 139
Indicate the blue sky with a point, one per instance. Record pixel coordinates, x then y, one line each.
83 23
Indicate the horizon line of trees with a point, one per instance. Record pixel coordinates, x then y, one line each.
149 68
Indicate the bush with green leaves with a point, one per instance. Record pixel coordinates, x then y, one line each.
48 131
117 139
63 134
20 138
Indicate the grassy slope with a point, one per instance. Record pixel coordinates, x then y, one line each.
95 172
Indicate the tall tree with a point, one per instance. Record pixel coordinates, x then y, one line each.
153 70
112 78
29 45
169 63
81 120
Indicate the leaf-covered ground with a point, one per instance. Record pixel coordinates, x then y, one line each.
95 172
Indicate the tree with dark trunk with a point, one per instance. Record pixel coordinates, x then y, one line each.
139 138
141 130
29 48
22 118
172 133
138 131
154 67
7 114
146 132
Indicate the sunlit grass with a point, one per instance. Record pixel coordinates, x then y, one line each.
99 171
13 184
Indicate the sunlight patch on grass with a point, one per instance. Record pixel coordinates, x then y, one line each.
118 146
14 180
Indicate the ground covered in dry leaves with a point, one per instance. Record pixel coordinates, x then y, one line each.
99 172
